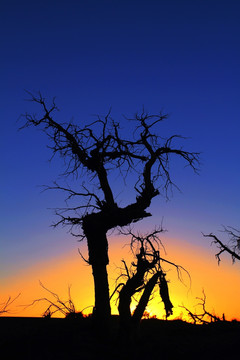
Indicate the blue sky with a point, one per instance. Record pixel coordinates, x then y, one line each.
181 57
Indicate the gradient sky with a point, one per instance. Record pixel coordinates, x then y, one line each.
181 57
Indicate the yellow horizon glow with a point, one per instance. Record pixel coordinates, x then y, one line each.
218 282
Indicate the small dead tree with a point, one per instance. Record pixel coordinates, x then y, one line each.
92 154
57 305
142 277
233 246
204 317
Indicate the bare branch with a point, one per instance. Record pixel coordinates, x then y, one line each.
234 239
84 259
4 307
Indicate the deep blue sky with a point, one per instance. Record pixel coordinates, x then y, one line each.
179 56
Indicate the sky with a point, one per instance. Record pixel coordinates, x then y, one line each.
179 57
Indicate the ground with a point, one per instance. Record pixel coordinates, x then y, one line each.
39 338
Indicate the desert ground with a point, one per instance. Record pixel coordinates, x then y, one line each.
54 338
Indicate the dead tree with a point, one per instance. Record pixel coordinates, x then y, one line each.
233 246
93 153
204 317
142 277
57 305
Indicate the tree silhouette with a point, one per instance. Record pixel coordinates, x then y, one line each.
92 153
233 246
205 316
142 277
57 305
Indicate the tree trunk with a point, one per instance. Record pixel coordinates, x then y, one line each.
102 310
98 258
125 317
125 298
138 313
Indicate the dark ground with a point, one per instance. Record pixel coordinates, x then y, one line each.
39 338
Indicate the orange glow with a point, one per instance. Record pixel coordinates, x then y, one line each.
220 283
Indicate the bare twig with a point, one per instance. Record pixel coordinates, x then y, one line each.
4 307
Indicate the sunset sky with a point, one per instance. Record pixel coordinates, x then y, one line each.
181 57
